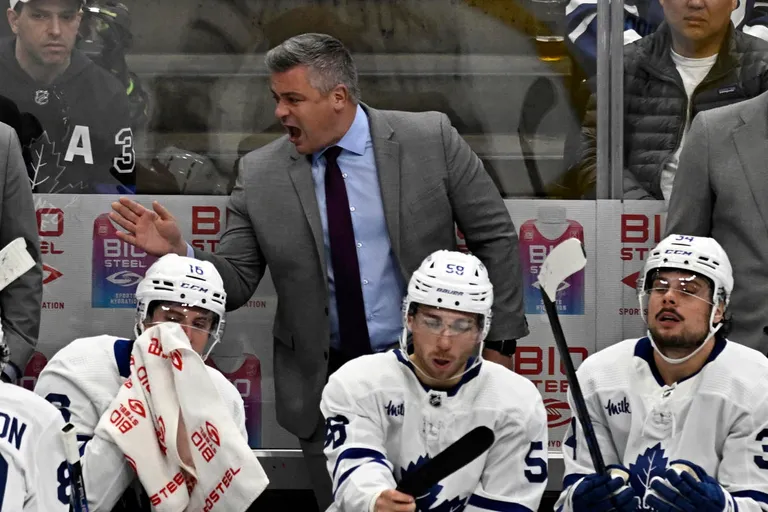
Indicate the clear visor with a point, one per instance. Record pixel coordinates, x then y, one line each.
435 326
690 286
447 336
199 324
193 317
676 288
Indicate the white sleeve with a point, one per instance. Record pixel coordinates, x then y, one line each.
354 446
50 476
743 470
105 471
578 462
515 473
232 399
238 414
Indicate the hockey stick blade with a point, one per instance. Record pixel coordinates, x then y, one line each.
563 261
77 499
469 447
15 261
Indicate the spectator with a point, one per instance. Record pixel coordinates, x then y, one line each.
20 300
87 143
720 191
642 18
694 62
343 209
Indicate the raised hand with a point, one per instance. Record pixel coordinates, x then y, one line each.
155 232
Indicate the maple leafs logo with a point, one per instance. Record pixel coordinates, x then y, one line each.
45 161
46 168
425 502
648 465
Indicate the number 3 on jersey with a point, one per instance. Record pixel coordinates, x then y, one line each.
62 402
126 161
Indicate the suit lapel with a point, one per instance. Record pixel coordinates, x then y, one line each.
387 154
300 171
748 138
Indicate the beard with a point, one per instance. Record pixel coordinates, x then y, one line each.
684 343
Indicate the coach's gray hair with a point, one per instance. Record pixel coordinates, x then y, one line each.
329 61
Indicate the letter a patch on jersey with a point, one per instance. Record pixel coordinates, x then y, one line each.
648 465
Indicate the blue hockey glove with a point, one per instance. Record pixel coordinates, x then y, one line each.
687 487
603 493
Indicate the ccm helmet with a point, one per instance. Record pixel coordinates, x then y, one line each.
188 281
699 255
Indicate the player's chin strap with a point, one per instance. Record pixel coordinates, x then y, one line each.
404 350
712 331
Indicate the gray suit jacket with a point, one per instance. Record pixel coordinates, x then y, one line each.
721 190
20 300
429 177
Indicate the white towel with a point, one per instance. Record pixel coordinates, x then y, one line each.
168 376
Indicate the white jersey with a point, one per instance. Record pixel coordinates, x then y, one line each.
82 379
382 422
717 418
33 470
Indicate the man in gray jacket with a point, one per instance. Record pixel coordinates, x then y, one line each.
20 300
694 62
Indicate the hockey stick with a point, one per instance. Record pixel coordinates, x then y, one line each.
564 260
469 447
15 261
539 99
77 500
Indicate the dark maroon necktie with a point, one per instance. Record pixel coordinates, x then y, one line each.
353 328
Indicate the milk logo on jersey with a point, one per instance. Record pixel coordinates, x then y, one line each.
432 501
395 410
649 464
616 408
117 268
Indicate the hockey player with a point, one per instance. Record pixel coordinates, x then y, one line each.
682 412
388 413
83 378
33 471
86 145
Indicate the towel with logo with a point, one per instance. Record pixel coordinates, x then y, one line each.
167 377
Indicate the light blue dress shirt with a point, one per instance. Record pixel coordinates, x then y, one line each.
383 286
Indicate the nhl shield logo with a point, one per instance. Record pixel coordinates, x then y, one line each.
41 97
435 400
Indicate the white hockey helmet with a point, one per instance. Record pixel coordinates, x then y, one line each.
451 280
188 281
700 255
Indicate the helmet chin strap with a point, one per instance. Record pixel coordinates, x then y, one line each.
404 350
712 331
